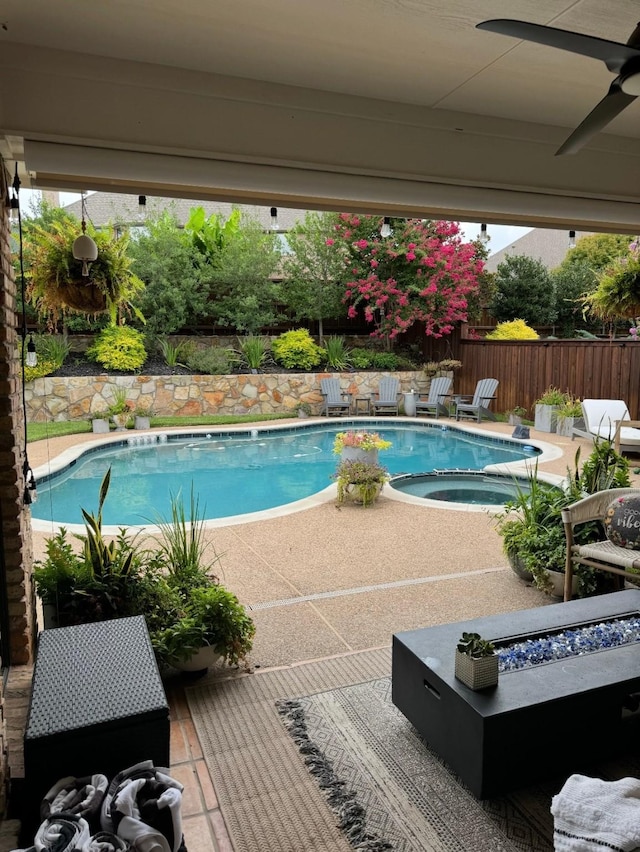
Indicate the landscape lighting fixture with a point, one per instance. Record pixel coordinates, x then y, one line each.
385 230
84 248
274 219
572 239
14 209
32 357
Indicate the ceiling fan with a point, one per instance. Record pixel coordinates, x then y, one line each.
621 59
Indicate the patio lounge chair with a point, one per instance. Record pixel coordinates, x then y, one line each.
334 399
387 398
435 401
477 407
604 418
604 555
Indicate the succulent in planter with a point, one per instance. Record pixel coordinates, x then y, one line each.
303 409
476 662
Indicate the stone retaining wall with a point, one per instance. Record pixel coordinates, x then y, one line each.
78 398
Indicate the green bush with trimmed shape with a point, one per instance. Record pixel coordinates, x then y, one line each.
297 350
118 347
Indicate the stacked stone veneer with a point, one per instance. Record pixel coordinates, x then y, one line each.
264 393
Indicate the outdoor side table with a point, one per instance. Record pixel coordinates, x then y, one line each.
97 705
365 402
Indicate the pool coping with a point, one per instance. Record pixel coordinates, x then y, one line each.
68 458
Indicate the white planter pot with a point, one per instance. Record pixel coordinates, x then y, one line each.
100 425
556 578
121 421
356 454
201 660
142 422
546 417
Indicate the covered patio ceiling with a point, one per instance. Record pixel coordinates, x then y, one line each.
397 107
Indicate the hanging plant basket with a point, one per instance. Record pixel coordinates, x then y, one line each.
83 296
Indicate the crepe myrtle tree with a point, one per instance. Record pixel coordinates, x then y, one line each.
422 273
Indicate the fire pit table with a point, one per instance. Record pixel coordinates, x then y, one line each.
539 721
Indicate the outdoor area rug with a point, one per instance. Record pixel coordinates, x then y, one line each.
315 758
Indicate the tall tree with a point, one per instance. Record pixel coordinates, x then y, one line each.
313 271
524 290
422 273
245 294
176 293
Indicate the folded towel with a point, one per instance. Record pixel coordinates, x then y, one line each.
591 815
104 841
143 806
80 796
62 833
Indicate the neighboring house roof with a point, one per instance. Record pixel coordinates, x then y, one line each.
105 208
548 246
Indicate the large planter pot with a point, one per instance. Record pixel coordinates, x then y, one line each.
556 590
356 454
546 417
142 422
518 567
200 661
354 493
477 672
100 425
566 425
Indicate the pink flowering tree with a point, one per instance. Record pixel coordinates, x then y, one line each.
423 273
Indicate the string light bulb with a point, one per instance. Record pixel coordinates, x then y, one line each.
84 248
572 239
142 206
484 235
274 219
32 356
385 230
14 209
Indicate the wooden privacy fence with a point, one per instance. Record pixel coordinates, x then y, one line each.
591 369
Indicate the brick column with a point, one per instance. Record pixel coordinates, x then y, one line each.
16 519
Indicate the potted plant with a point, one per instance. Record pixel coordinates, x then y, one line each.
360 481
142 416
100 420
361 446
546 409
56 280
516 414
120 409
303 409
569 417
476 662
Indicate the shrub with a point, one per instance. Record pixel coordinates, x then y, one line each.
296 350
552 396
214 361
336 353
385 361
44 367
254 351
361 359
118 347
175 354
515 330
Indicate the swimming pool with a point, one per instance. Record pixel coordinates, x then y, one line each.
245 471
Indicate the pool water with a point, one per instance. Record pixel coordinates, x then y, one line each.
234 474
486 489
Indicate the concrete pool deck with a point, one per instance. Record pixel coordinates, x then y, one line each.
328 581
333 579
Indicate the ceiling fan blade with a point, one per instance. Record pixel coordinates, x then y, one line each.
609 107
612 53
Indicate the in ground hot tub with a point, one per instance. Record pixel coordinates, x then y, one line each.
462 486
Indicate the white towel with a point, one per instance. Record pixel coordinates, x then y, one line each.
591 815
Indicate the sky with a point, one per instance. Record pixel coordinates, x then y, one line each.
499 235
